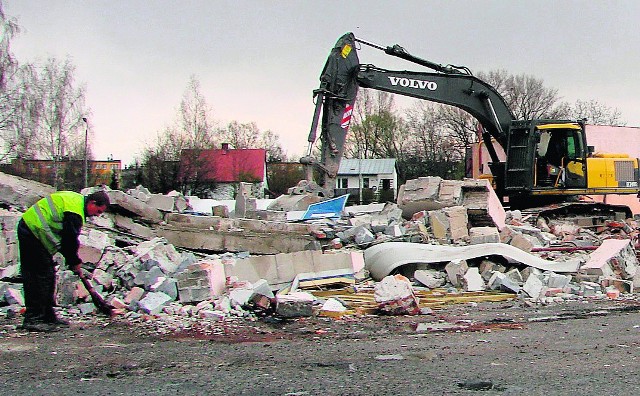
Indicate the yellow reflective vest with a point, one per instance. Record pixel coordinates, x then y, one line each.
44 218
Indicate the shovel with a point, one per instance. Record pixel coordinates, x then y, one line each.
97 299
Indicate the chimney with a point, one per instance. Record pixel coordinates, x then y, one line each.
225 146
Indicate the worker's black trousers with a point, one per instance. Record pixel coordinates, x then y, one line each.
38 276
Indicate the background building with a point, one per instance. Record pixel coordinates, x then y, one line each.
368 180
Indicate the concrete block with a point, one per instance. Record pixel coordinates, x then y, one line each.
334 260
450 192
13 295
472 281
293 305
360 220
166 255
87 308
181 204
450 224
204 280
515 276
439 224
500 281
168 286
488 266
152 276
521 241
255 268
533 286
240 297
134 295
430 278
92 244
483 205
553 280
419 194
394 231
9 271
127 224
294 263
479 235
117 303
153 302
103 278
455 271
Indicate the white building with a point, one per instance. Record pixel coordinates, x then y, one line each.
377 177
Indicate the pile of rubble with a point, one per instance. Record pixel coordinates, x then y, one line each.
170 256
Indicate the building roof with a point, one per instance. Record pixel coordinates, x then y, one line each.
227 165
374 166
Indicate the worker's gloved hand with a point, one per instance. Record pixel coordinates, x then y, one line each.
77 269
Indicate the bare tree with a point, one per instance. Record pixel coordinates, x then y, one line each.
8 90
195 125
192 131
376 131
271 142
526 96
248 135
60 126
434 144
241 136
596 113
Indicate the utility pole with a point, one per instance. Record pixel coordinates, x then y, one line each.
360 178
86 138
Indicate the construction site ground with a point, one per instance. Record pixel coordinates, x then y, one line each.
509 347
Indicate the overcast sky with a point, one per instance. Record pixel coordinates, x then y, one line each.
259 61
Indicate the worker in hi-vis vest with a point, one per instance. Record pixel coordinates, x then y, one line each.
51 225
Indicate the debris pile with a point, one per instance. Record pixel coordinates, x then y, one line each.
160 256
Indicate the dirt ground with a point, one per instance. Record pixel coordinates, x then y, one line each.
499 348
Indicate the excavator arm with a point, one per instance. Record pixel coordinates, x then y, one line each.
343 75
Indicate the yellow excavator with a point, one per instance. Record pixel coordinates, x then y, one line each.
545 161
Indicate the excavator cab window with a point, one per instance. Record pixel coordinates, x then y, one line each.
560 154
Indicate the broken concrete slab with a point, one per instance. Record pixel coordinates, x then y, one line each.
127 224
419 194
383 258
281 269
135 206
500 281
236 235
614 258
449 224
20 193
165 203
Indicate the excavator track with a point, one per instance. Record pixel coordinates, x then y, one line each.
596 212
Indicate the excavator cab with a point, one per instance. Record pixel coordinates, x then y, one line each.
545 158
560 156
